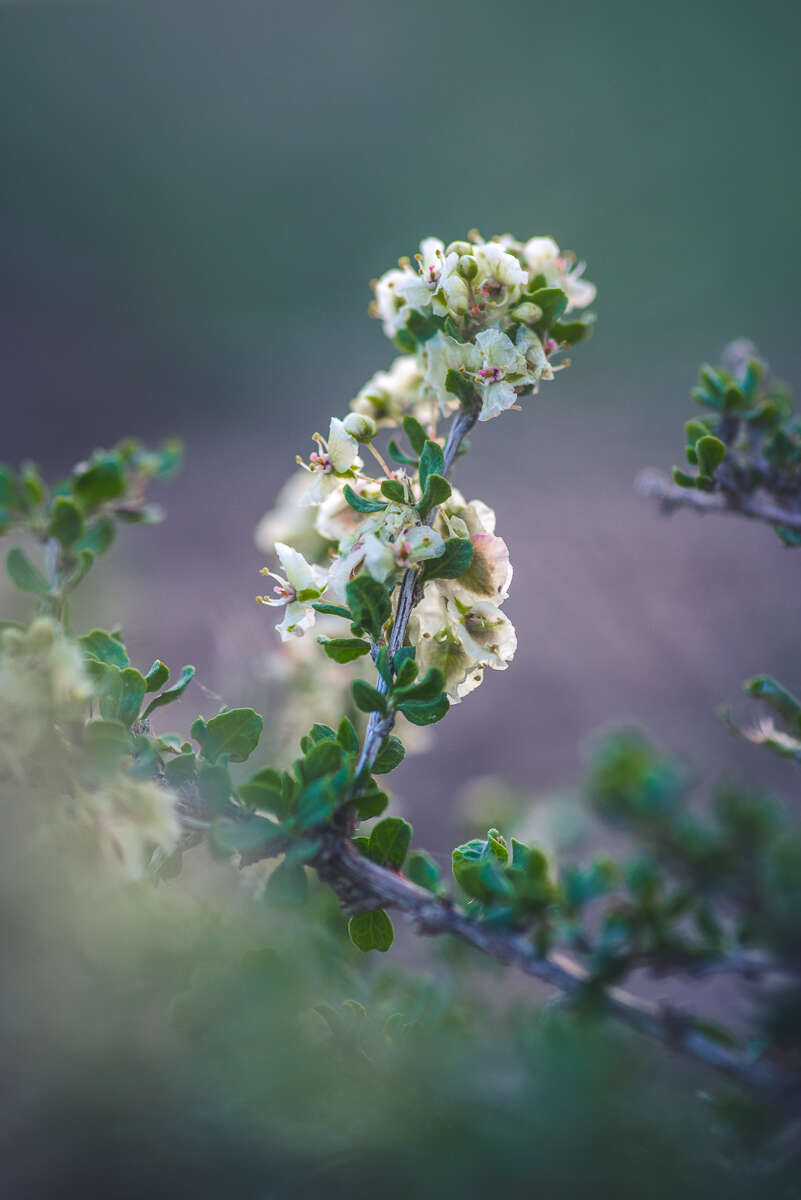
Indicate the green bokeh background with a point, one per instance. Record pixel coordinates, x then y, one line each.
197 193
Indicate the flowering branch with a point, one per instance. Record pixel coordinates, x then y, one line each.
378 727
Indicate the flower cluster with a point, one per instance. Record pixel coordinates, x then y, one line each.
481 325
474 315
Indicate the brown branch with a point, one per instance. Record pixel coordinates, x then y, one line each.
655 485
361 884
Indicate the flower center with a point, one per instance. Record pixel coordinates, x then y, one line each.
320 462
490 374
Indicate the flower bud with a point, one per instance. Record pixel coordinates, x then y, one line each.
360 427
526 312
468 267
459 248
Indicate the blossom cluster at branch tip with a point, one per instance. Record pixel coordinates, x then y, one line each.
470 307
480 325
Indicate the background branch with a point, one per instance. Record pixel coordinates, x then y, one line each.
655 485
361 884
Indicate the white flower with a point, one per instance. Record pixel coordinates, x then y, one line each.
442 354
489 575
303 584
437 645
543 257
503 367
497 266
337 458
530 346
487 635
384 545
336 519
460 637
390 304
388 395
293 522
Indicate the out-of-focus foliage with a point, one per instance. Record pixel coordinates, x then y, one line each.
748 443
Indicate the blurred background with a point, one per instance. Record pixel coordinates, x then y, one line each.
195 198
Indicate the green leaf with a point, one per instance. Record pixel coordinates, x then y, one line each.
423 871
407 671
157 676
452 563
766 689
371 802
166 459
97 537
239 836
371 931
101 646
235 733
437 491
316 804
106 742
423 325
390 756
333 610
384 668
32 484
711 453
432 462
459 385
132 695
553 303
415 433
8 488
369 603
324 758
397 455
81 569
367 698
270 789
394 490
406 341
344 650
24 574
180 769
425 713
682 479
214 785
102 480
322 733
790 537
389 842
171 693
570 333
347 737
287 884
66 521
360 504
695 429
428 688
497 846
